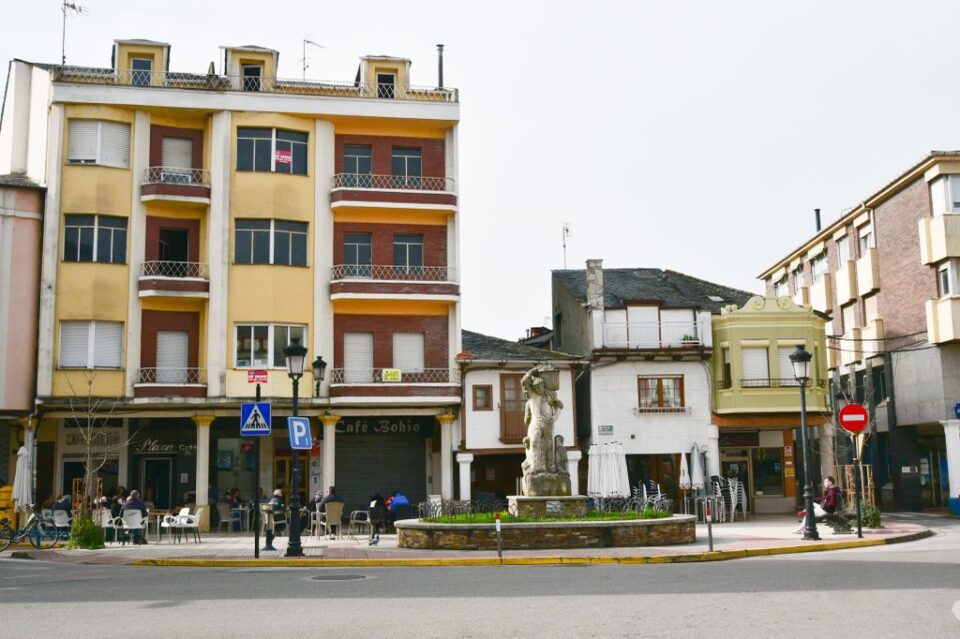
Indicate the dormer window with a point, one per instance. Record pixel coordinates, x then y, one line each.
386 85
252 73
141 70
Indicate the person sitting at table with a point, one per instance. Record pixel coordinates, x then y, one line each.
331 496
64 504
275 506
230 500
135 503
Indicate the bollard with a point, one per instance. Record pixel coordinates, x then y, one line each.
499 540
709 524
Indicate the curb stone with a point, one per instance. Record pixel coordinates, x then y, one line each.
718 555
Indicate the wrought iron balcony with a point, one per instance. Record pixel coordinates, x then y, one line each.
172 376
394 376
175 184
393 182
176 175
655 335
162 268
214 82
393 273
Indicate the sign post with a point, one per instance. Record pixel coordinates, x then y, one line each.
256 429
853 418
499 539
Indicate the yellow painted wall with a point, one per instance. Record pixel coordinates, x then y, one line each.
435 129
156 53
73 383
94 188
278 384
373 215
397 67
264 58
390 307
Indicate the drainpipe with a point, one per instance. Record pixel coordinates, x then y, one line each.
439 66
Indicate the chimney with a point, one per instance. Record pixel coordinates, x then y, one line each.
816 213
439 66
595 284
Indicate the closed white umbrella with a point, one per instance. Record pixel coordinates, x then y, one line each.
23 480
623 477
610 476
593 470
684 473
696 470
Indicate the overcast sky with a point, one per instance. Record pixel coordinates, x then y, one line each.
696 136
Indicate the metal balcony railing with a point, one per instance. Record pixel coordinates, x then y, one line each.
172 376
774 382
393 182
647 335
183 270
214 82
377 376
175 175
395 273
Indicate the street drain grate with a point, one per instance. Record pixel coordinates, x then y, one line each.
337 577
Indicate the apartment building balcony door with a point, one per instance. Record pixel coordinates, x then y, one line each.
174 250
157 480
172 357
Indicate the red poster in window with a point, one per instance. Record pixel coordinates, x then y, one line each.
283 156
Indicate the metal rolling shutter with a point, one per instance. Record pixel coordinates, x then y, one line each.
380 463
408 352
82 145
172 355
177 153
108 345
755 366
358 358
115 144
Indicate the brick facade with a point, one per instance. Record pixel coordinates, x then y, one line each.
434 329
432 151
381 236
905 283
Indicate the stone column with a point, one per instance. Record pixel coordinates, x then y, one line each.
203 467
329 450
951 430
465 460
446 454
827 458
573 467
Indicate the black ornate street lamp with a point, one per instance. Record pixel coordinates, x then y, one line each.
296 358
319 370
800 359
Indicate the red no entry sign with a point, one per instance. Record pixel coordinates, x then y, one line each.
853 418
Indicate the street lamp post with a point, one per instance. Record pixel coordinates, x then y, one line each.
296 356
800 359
319 370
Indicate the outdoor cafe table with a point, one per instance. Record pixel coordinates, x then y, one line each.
158 516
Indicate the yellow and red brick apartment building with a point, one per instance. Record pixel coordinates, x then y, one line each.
196 223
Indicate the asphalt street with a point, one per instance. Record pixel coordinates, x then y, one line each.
906 590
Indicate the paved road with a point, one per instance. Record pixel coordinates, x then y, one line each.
908 590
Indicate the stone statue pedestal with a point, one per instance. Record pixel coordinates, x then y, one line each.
564 507
549 484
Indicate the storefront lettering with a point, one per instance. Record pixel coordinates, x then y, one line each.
148 446
98 439
377 427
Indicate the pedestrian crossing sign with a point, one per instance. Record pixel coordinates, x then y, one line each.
255 419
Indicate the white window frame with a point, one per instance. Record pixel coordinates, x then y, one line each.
820 259
843 251
134 72
948 271
799 279
270 337
91 346
99 161
781 287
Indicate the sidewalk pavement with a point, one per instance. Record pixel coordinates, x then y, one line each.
761 535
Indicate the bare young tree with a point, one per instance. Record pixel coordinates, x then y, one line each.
91 416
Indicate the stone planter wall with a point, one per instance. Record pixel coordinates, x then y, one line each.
679 529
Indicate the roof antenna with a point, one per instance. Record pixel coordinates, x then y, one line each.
566 233
74 9
304 58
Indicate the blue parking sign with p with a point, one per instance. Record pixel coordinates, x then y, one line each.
299 428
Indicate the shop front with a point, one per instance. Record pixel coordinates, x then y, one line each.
383 454
496 476
163 461
764 461
105 443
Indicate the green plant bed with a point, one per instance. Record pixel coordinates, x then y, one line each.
85 534
507 518
871 516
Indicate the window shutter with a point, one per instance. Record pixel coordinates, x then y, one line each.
755 365
408 352
786 366
358 358
115 144
73 344
107 344
82 145
177 153
172 357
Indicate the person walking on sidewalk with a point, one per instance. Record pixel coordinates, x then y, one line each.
377 514
275 507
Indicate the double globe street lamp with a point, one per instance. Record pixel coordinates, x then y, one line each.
800 359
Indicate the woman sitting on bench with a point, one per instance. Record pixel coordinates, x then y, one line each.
826 507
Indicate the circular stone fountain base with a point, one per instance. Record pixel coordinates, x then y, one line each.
667 531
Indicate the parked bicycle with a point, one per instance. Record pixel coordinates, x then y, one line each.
41 533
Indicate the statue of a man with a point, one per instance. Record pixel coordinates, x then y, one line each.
540 415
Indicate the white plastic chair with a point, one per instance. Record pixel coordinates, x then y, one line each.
192 523
61 519
228 517
173 523
359 520
131 520
108 522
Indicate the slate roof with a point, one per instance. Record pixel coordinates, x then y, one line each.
485 347
670 288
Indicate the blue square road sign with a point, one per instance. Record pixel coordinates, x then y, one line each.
299 429
255 419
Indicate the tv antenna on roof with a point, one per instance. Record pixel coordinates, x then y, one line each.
566 233
304 58
73 9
